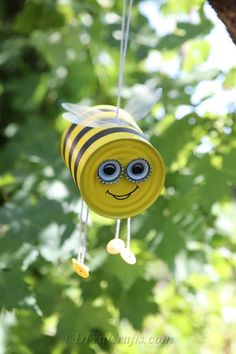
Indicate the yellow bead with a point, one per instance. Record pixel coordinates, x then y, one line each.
128 256
115 246
79 268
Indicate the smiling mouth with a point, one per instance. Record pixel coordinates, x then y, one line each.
122 196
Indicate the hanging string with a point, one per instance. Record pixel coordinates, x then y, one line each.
82 232
128 233
85 235
123 49
117 229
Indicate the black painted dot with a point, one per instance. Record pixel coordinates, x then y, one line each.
109 169
137 168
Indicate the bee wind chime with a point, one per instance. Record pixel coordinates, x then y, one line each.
118 172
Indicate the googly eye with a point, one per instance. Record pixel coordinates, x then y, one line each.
109 171
138 170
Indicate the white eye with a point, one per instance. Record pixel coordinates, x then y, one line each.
138 170
109 171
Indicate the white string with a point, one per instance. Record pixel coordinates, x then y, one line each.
128 233
121 56
123 49
117 229
80 231
127 33
85 235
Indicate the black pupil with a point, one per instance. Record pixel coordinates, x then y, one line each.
137 169
109 169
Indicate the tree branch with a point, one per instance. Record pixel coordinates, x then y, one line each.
226 11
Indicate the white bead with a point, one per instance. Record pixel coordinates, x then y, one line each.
115 246
128 256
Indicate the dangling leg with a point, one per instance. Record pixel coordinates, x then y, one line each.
78 264
84 239
126 252
81 226
116 244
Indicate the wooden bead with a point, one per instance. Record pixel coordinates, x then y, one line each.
128 256
115 246
80 268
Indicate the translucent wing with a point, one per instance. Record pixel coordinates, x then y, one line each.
142 101
91 117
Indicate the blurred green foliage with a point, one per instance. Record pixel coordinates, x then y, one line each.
180 297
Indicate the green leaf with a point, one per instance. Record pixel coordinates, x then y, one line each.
230 79
196 54
13 289
38 15
182 6
138 302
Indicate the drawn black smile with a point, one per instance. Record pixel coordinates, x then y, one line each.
122 196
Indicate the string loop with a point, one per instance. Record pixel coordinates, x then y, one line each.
125 25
